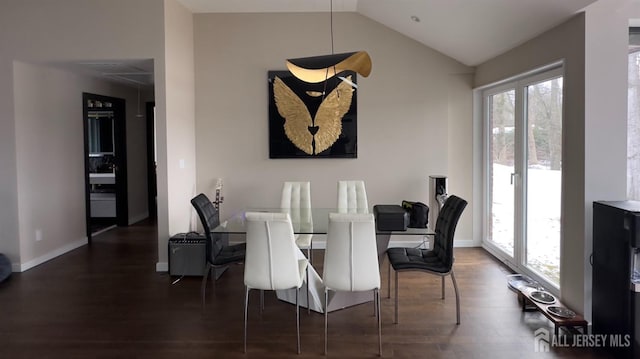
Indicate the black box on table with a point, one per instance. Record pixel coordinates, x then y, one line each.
391 217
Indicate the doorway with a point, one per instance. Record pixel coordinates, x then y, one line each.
106 197
152 186
523 164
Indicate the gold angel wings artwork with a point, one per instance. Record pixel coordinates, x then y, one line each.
312 135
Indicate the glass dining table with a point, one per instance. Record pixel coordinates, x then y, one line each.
316 221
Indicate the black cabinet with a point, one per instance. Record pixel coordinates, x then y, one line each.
615 301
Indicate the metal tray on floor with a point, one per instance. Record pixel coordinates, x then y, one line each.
542 297
519 281
561 312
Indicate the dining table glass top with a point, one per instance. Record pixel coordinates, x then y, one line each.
303 220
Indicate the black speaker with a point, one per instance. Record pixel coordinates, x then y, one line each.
187 254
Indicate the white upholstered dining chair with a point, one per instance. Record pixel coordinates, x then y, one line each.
272 259
352 197
351 261
296 198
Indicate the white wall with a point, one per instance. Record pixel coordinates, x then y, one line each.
176 128
606 91
414 112
460 152
9 231
50 157
34 31
136 128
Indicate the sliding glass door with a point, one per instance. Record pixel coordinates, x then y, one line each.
501 169
544 177
523 157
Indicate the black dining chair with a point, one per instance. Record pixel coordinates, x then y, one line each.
219 254
437 261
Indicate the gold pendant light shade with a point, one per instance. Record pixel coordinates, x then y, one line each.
317 69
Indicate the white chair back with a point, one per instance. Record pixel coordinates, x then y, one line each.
271 261
351 257
296 198
352 197
296 195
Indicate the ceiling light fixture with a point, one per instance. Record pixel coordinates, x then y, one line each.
317 69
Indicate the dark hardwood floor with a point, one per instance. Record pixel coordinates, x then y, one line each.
107 301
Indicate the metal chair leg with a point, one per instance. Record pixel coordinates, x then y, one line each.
261 302
298 318
375 303
246 309
455 287
213 279
389 281
203 286
396 309
442 287
326 316
377 295
308 292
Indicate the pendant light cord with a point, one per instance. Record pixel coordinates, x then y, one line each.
331 21
326 75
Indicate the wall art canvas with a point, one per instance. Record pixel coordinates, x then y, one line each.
309 120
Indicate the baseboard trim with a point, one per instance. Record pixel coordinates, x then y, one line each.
23 267
162 267
466 243
138 218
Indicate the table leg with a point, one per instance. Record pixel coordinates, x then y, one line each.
382 242
337 300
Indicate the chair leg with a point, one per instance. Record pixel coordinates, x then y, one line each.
308 292
389 280
213 279
310 253
326 316
203 286
442 287
375 303
455 287
246 309
298 318
261 302
396 308
377 295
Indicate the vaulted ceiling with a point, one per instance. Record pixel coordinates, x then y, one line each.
470 31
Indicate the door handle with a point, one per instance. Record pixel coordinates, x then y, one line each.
513 175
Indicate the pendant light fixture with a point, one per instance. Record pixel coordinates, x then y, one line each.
317 69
